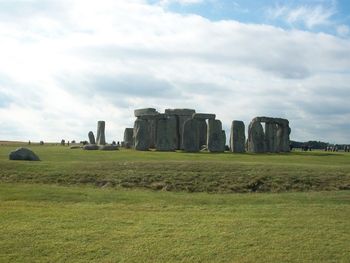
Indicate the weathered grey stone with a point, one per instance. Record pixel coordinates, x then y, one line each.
91 137
271 137
145 111
76 147
202 129
180 112
100 138
128 138
63 142
223 134
108 147
141 133
256 137
166 133
181 119
215 138
237 137
90 147
283 140
203 116
23 154
190 139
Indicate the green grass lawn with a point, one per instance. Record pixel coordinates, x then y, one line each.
128 206
178 171
45 223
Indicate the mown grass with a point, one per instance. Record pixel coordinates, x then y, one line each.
178 171
46 223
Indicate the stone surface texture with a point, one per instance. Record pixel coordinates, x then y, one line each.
166 134
190 138
142 139
23 154
215 140
91 137
237 137
100 137
128 138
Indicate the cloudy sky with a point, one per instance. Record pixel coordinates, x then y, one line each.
66 64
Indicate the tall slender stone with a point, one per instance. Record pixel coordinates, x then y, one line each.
215 139
100 138
237 137
256 137
166 134
128 137
271 137
91 137
141 135
202 128
190 138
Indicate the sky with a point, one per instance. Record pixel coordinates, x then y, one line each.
66 64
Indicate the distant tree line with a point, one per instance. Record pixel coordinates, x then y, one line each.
315 144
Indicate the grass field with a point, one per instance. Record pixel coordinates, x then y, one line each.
177 171
94 206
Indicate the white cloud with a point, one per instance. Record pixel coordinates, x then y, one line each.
310 16
343 30
62 71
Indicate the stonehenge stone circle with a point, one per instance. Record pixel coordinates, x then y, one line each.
150 115
274 139
237 137
142 138
23 154
166 134
100 138
128 137
190 138
91 137
215 140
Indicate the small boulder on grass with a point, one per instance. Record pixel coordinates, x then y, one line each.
23 154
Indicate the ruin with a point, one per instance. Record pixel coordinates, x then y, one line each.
100 137
91 137
128 137
237 137
274 139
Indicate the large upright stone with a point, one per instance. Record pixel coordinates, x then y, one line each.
91 137
256 137
202 129
271 137
216 141
237 137
283 141
141 135
100 138
23 154
128 137
149 114
223 144
166 134
182 116
190 138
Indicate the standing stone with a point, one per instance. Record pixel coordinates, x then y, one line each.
149 114
182 116
223 134
190 138
101 139
63 142
271 137
141 135
283 132
237 137
166 134
202 129
256 137
91 137
215 138
128 137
